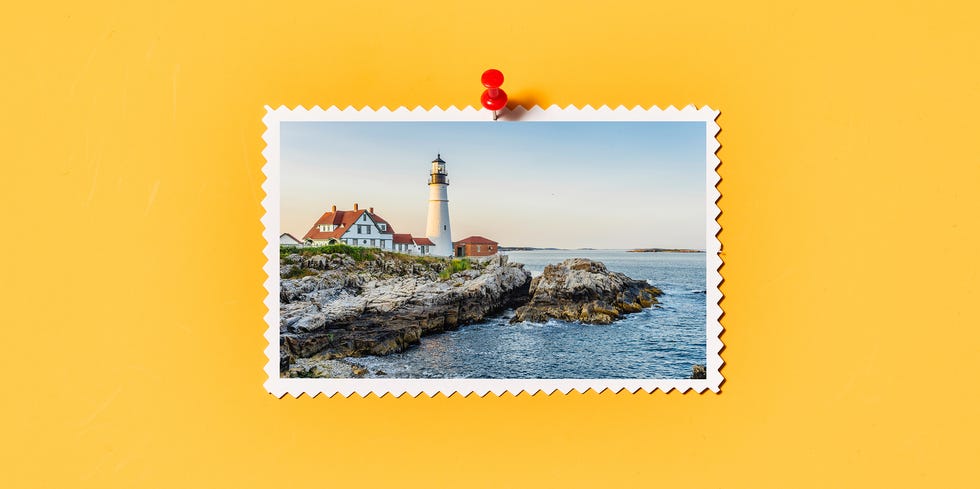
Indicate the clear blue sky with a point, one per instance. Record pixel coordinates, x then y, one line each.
546 184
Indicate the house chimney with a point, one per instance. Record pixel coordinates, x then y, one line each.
355 206
333 208
371 210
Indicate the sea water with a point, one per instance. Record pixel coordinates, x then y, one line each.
661 342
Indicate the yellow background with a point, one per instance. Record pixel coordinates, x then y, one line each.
133 346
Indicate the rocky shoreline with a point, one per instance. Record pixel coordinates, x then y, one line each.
339 302
381 302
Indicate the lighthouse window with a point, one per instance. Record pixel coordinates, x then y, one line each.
443 227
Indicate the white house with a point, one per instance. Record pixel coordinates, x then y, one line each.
286 239
361 227
406 243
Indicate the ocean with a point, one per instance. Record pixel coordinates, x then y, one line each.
661 342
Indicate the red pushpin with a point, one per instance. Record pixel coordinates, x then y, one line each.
493 98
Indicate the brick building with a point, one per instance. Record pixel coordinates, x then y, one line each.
475 246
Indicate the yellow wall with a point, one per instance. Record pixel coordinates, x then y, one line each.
850 174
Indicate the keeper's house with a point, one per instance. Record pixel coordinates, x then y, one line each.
286 239
361 227
475 246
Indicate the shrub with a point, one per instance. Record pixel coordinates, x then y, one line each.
298 272
454 267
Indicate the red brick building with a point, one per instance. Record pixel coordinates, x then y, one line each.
475 246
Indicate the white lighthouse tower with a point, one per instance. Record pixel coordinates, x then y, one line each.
437 226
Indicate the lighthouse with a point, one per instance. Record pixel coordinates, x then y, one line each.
437 226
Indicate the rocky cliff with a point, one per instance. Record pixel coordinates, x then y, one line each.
583 290
374 303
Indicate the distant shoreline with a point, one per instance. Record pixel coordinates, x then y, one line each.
637 250
526 248
663 250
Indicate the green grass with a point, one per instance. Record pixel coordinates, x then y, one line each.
455 266
356 252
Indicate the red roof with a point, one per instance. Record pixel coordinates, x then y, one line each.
424 241
378 219
475 240
402 238
343 221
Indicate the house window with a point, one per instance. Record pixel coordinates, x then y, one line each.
363 241
372 242
383 226
490 248
479 248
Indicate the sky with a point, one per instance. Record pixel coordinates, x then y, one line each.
605 185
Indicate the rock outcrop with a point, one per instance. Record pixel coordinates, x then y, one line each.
583 290
699 372
338 307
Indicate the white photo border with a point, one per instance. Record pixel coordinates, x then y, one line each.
279 386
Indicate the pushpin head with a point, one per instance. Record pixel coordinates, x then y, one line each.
493 97
494 102
492 78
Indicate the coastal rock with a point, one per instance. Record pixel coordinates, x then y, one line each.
579 289
385 305
699 372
